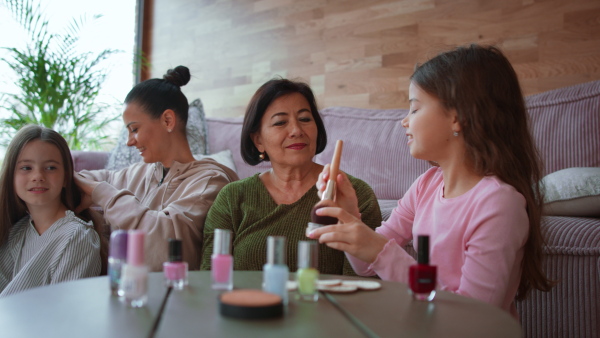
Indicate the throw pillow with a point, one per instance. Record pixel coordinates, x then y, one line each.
123 156
224 157
572 192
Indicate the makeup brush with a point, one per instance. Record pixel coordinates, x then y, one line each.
329 193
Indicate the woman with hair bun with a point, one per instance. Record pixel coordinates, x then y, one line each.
168 194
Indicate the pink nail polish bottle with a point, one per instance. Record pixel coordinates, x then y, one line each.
134 278
422 276
222 261
175 270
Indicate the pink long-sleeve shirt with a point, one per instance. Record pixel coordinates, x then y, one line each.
476 239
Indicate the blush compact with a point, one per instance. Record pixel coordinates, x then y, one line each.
250 304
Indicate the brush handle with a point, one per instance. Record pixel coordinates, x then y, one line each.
335 161
334 169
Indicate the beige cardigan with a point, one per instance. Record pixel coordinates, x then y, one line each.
135 198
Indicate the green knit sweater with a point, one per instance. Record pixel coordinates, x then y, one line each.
246 208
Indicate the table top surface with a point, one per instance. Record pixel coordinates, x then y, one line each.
81 308
86 308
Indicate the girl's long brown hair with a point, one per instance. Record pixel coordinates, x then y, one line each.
13 208
480 83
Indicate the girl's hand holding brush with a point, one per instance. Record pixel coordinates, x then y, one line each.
345 196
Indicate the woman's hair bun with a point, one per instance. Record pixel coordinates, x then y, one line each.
179 76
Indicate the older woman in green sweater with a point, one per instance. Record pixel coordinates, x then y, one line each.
282 125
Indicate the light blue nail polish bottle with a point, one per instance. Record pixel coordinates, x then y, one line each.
275 271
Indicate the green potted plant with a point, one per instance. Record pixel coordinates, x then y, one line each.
58 86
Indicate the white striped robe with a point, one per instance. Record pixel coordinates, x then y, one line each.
68 250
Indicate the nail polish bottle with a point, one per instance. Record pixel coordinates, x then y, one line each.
275 271
307 274
116 258
134 277
175 270
422 276
222 261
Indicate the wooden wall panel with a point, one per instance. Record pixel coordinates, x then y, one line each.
361 53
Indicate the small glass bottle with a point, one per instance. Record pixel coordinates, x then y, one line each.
134 277
307 274
275 271
422 276
222 261
175 270
117 257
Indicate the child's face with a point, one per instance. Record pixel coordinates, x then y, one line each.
39 175
429 127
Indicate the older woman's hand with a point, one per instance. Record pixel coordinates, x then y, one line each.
349 235
345 196
86 186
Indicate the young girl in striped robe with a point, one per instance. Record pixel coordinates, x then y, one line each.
42 240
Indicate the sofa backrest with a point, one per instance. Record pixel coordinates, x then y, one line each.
374 147
566 126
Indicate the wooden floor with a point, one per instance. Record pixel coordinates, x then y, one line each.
361 53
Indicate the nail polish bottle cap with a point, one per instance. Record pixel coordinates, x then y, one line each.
222 242
308 254
423 249
118 244
175 250
135 247
276 250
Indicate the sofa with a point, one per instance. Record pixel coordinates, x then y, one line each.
566 128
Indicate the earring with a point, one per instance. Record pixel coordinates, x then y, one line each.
455 133
169 130
261 156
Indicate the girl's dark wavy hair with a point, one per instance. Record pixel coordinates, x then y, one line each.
480 83
13 208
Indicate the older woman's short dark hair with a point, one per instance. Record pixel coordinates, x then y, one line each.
264 96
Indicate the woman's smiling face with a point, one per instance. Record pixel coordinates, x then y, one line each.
145 133
288 132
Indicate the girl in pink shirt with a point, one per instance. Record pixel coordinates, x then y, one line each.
480 203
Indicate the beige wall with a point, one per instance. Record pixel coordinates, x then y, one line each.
360 53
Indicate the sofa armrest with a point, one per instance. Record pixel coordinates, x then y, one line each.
89 160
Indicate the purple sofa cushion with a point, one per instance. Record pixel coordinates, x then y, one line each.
89 160
566 126
224 133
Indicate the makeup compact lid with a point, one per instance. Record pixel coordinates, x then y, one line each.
118 244
175 250
222 242
308 254
276 250
135 247
423 249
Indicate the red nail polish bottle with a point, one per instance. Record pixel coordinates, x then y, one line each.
422 276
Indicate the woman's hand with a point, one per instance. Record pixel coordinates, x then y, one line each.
349 235
345 196
86 186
